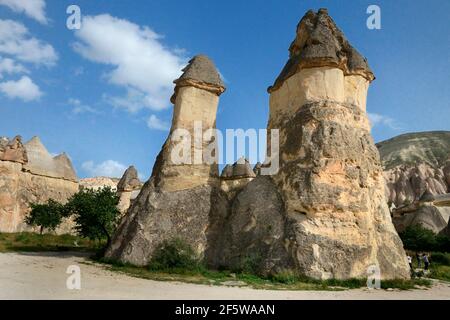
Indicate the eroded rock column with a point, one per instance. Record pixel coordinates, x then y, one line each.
183 192
330 176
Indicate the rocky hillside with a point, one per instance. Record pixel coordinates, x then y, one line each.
417 173
415 163
432 148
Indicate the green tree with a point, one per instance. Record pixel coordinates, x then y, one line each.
47 215
417 238
95 213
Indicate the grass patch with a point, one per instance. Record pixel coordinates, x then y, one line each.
440 272
281 281
33 242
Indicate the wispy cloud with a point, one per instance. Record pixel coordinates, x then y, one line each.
79 107
9 66
140 62
153 122
377 119
34 9
108 168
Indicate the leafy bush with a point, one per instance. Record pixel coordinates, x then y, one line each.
48 215
441 258
95 213
418 238
250 264
174 254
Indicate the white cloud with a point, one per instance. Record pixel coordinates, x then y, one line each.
9 66
24 89
15 40
108 168
33 8
157 124
140 61
79 107
379 119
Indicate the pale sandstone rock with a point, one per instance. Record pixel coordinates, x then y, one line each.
40 162
27 177
177 201
235 177
96 183
330 178
324 214
128 188
12 150
430 217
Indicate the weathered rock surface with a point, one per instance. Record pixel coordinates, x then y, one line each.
330 176
431 217
415 163
29 174
324 214
40 162
255 230
180 197
129 181
128 188
417 167
235 177
96 183
13 150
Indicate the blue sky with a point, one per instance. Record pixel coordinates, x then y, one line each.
101 93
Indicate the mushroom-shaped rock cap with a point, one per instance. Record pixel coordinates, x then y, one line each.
427 197
202 73
240 169
129 180
318 43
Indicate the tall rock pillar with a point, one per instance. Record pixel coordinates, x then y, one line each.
181 164
330 178
183 191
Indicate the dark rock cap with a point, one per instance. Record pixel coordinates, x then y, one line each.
129 180
240 169
319 42
427 197
200 72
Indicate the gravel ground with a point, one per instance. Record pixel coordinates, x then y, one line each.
43 276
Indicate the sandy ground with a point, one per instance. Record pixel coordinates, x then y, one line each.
43 276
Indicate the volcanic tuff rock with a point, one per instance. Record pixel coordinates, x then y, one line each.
28 173
13 150
96 183
417 164
324 214
177 200
128 188
330 176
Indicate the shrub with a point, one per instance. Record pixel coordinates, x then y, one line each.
251 263
95 213
441 258
48 215
417 238
174 254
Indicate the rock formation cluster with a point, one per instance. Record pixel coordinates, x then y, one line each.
28 173
417 174
323 214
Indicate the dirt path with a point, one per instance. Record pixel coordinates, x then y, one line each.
43 276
